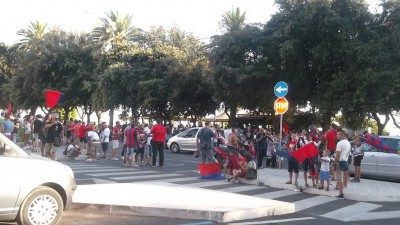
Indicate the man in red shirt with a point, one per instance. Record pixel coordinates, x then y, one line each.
331 138
159 132
82 135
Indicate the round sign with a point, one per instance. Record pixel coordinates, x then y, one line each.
281 105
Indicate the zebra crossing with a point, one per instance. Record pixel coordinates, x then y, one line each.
95 173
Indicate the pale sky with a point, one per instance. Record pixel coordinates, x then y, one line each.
198 16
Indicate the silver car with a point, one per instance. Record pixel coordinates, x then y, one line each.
33 189
380 164
184 141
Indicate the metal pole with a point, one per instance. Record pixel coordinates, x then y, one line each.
280 134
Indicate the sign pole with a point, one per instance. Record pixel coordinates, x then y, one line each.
280 134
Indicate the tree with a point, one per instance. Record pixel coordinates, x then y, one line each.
32 36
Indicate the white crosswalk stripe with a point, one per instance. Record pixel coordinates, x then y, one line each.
277 194
102 170
120 173
138 177
241 188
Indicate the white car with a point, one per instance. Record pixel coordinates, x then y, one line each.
184 141
379 163
33 189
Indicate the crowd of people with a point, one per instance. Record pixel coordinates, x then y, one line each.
251 148
142 143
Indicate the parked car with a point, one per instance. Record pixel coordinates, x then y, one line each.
184 141
379 163
33 189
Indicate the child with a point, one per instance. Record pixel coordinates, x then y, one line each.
231 165
324 173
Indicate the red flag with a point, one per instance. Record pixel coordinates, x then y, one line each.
305 152
52 98
9 108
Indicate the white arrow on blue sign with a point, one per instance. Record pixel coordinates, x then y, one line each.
281 89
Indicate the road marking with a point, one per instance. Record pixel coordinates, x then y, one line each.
276 194
145 176
207 184
103 170
199 223
273 221
241 188
102 181
311 202
185 171
171 180
120 173
361 211
83 166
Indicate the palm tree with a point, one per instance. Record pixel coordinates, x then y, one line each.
233 20
31 36
115 30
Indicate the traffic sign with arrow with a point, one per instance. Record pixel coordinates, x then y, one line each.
281 89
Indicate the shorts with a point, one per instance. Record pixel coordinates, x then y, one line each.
115 144
307 164
293 167
50 148
83 139
324 175
357 160
147 151
129 151
338 174
35 136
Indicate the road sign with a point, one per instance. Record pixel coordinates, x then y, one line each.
281 105
281 89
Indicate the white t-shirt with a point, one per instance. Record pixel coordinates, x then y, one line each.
227 132
27 128
93 135
146 130
105 135
325 163
343 147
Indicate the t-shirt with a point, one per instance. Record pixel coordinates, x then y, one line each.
325 163
53 131
37 126
131 137
344 147
331 138
82 131
117 130
159 133
292 146
93 136
205 134
105 135
8 126
27 127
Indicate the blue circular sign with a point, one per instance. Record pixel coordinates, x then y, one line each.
281 89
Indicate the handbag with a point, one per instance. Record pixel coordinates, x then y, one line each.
251 173
57 141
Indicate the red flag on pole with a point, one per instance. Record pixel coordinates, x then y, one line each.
305 152
52 98
9 108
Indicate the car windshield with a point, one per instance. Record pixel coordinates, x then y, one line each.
183 133
9 148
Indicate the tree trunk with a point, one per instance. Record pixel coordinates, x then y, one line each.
111 113
98 114
381 126
232 116
33 111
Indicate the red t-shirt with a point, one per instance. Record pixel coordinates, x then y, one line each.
116 133
131 137
159 133
292 145
76 130
82 131
331 138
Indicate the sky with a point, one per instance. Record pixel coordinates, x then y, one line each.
200 17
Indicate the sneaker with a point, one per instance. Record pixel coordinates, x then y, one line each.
355 180
339 196
136 165
153 166
321 187
289 182
327 189
114 159
161 166
89 160
307 186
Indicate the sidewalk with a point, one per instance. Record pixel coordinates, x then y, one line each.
366 190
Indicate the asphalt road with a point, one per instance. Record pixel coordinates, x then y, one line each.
178 167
